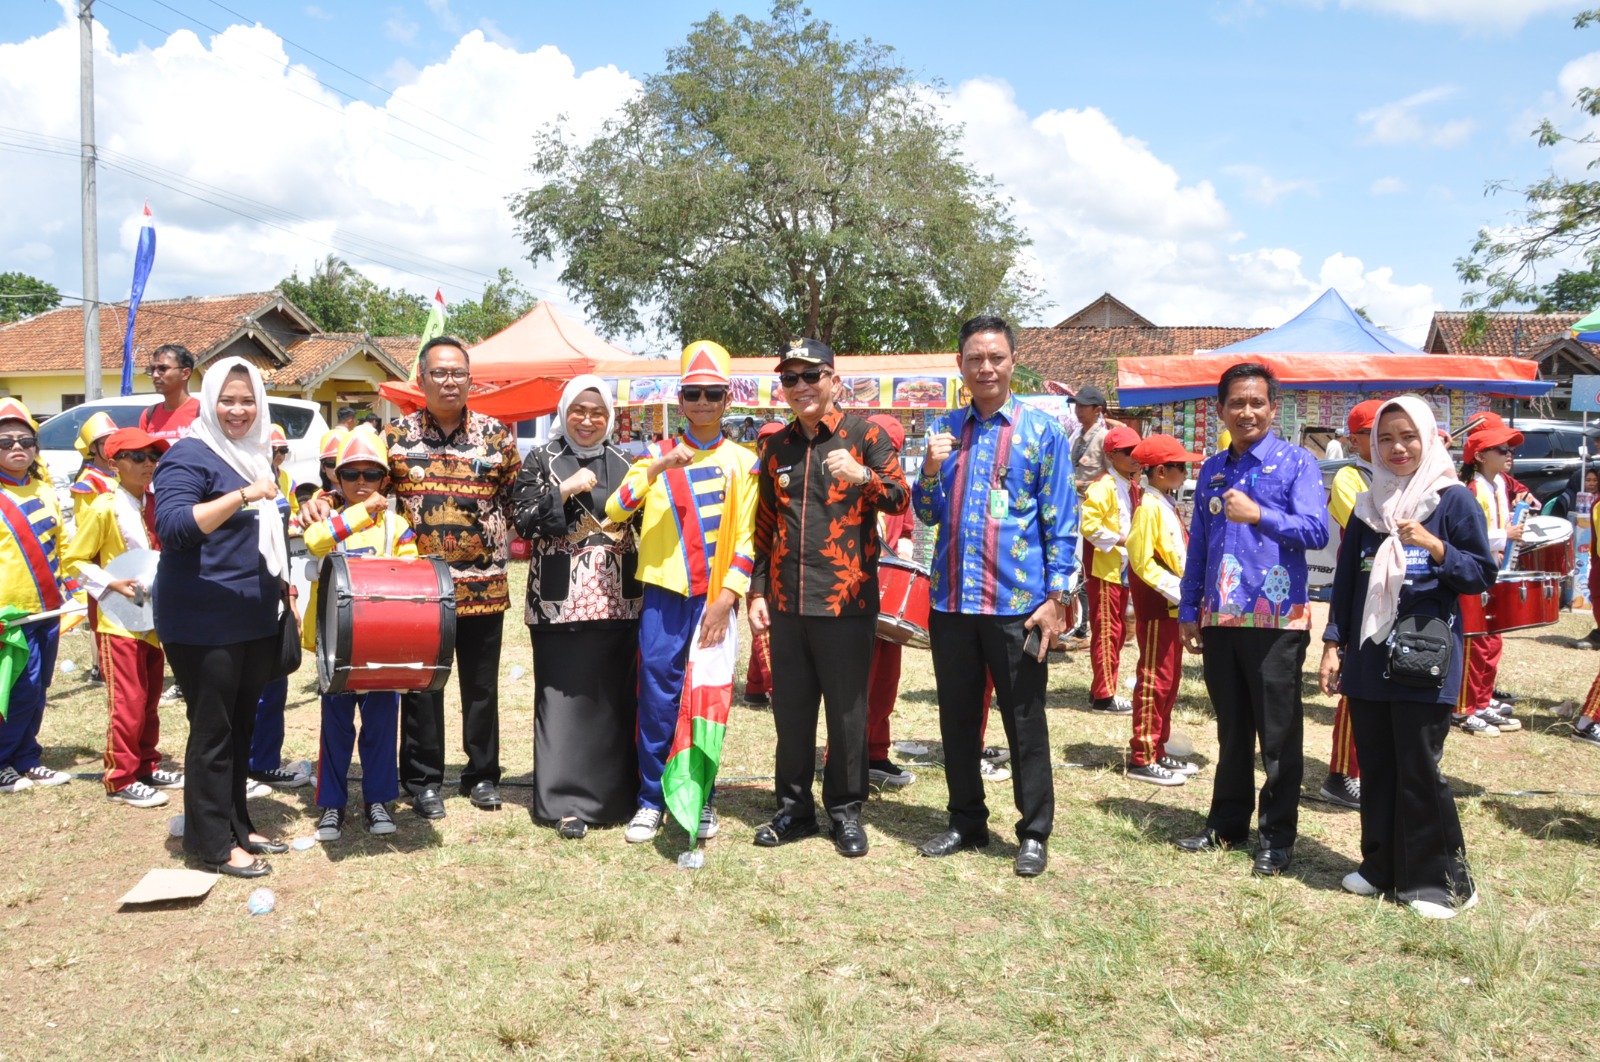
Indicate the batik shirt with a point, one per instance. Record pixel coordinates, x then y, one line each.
1006 510
816 535
1254 575
455 492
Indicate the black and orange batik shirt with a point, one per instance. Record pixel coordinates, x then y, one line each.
455 490
816 535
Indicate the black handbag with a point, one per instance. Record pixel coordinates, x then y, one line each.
287 660
1420 651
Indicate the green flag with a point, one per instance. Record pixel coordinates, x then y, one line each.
691 768
432 330
13 654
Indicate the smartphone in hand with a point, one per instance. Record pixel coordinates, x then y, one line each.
1030 644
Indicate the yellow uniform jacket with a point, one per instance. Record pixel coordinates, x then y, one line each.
98 538
1106 521
1157 546
355 532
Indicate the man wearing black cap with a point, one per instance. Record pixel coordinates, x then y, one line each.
823 480
1089 448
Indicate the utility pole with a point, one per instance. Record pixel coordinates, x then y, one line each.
91 245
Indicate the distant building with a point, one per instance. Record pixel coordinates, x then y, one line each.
1545 338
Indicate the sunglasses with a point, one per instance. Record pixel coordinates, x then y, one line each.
18 442
139 457
810 376
1182 466
280 451
1503 451
710 394
329 462
366 475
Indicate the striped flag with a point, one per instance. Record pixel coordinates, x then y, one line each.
691 768
432 330
144 257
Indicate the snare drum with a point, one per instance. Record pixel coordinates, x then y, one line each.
903 595
1546 546
385 624
1519 600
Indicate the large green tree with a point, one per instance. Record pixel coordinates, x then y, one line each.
23 296
1560 222
340 299
776 181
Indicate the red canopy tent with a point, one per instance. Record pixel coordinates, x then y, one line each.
518 373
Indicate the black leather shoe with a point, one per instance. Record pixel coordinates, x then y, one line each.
785 828
1032 857
1203 842
428 803
485 797
950 842
267 847
1271 861
849 839
258 868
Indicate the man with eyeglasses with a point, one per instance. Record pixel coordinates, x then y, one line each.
823 481
451 470
171 418
695 500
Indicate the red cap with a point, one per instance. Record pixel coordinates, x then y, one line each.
1484 421
1121 438
132 439
892 426
771 427
1362 414
1487 438
1161 450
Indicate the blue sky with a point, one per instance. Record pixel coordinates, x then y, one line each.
1206 161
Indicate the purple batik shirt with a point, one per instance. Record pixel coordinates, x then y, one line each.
1254 575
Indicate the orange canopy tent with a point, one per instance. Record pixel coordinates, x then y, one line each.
518 373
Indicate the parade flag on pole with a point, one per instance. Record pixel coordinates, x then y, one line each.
14 654
143 259
432 330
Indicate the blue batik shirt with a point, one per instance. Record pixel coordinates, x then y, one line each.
1006 511
1254 575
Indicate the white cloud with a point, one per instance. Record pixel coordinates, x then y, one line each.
1107 214
1479 15
1387 186
222 113
313 11
1400 121
447 18
402 29
1261 187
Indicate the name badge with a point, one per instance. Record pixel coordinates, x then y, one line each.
999 503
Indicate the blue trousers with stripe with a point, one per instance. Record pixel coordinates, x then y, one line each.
19 734
666 625
266 746
379 744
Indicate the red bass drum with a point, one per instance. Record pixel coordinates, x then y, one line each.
385 624
903 602
1519 600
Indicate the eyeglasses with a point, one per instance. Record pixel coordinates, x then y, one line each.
18 442
591 416
139 457
711 394
366 475
810 376
444 375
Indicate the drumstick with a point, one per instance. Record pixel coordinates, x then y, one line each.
40 617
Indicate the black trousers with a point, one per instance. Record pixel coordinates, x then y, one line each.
1253 677
821 660
1411 839
422 714
221 685
966 649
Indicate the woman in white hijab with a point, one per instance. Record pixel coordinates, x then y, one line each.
1416 543
217 595
583 607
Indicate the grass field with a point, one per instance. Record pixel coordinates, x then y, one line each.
484 936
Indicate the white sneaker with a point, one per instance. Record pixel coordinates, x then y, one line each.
1502 723
709 823
138 795
1354 882
12 782
645 825
161 778
1441 911
44 776
991 772
1156 774
254 790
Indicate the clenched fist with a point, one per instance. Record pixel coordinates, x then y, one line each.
940 446
580 482
677 457
842 466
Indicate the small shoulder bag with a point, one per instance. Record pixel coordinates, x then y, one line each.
1420 651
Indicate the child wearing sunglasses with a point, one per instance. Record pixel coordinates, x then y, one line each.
1486 468
288 504
364 528
132 661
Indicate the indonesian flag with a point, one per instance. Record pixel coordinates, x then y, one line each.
691 769
432 330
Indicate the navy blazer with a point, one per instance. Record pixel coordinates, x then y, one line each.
210 589
1431 588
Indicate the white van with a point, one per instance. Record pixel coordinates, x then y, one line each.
301 420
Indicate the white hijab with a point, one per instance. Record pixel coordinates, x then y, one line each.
250 456
569 394
1392 499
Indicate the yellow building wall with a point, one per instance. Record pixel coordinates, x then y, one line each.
42 393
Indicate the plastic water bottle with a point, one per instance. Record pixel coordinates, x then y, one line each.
692 860
68 667
517 671
175 826
262 901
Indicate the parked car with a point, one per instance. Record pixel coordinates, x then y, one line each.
1548 460
301 420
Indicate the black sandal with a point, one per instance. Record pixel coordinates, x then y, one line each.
258 868
572 829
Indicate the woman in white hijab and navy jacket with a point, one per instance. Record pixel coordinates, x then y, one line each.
224 557
1414 545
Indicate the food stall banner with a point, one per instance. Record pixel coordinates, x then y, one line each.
880 381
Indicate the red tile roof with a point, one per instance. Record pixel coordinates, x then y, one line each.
316 355
1078 356
1507 335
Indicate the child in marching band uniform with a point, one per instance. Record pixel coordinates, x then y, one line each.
133 662
30 581
1158 545
364 528
1486 464
98 475
1108 505
288 504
